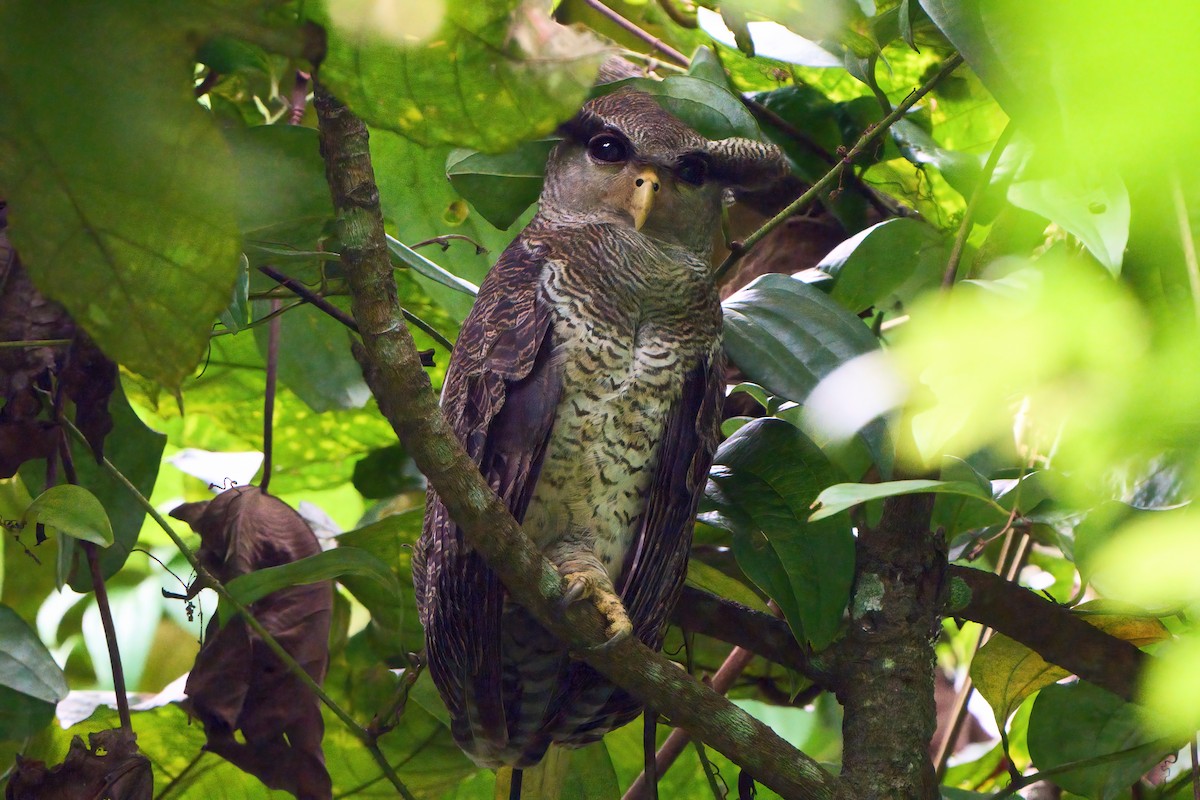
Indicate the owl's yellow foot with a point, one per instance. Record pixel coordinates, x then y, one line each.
595 586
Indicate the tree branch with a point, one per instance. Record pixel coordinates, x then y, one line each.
1052 631
406 399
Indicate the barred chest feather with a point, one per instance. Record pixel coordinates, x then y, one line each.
626 334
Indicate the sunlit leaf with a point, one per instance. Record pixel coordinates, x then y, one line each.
887 264
126 219
842 496
72 511
488 76
500 186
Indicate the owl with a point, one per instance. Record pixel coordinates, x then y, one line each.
587 384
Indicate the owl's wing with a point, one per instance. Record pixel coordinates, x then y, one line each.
500 396
656 563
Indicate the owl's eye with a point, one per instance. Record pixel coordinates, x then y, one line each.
692 170
608 149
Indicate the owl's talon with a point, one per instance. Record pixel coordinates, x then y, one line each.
598 588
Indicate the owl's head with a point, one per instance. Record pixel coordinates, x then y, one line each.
626 161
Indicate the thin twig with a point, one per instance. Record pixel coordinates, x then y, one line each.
1160 745
210 581
268 437
868 138
388 718
206 85
102 604
309 296
444 240
36 343
299 99
1195 769
629 27
968 220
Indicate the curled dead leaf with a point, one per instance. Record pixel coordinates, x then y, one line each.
237 683
109 767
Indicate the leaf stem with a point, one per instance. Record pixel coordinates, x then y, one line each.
868 138
968 220
36 343
268 436
1159 745
210 581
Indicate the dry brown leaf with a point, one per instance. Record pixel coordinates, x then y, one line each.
109 768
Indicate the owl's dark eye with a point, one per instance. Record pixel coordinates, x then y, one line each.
692 169
608 149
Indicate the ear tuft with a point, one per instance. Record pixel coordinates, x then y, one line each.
747 164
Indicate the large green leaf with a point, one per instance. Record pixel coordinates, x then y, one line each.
764 478
1064 712
786 336
282 199
887 264
489 76
30 682
500 186
123 215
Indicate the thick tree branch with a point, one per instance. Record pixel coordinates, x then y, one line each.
1052 631
406 399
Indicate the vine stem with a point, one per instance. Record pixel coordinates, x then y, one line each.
968 220
867 140
268 437
102 604
35 343
210 581
1159 745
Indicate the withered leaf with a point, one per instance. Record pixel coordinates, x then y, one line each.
109 768
237 682
84 374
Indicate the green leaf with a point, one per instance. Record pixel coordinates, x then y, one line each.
330 564
282 199
420 203
764 477
315 360
1063 712
838 498
30 682
394 629
715 582
786 336
961 170
488 76
72 511
706 66
237 314
711 109
887 264
124 218
502 186
1095 209
386 472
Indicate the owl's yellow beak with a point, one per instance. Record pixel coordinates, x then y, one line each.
645 185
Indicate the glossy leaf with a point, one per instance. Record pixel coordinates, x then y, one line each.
1061 712
764 477
501 186
124 219
254 586
715 582
838 498
887 264
509 72
786 336
72 511
30 682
